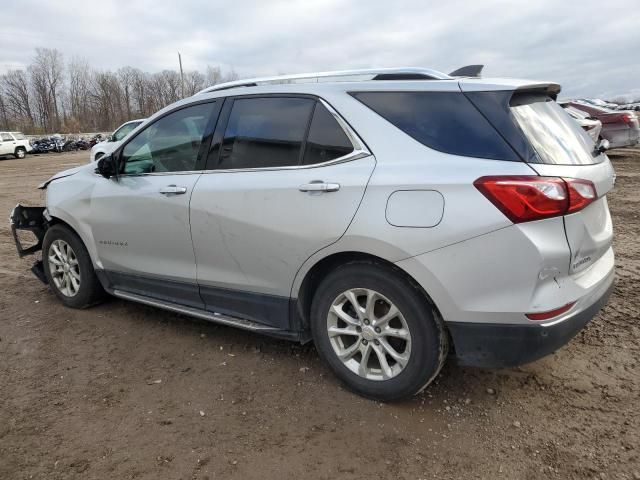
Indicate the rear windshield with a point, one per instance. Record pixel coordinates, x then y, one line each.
444 121
555 136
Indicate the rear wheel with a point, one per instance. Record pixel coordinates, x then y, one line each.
377 331
20 152
68 268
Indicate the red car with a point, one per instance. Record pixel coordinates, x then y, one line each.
620 127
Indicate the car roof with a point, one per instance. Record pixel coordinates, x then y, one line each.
334 83
384 79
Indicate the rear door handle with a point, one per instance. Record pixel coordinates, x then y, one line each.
173 190
319 187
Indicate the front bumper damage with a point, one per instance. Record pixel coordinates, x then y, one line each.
30 219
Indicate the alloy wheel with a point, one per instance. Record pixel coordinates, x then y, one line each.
64 268
369 334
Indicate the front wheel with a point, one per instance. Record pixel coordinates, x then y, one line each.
377 331
68 268
20 153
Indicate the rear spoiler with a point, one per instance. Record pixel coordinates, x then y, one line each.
513 85
468 71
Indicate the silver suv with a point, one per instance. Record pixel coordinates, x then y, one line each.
391 216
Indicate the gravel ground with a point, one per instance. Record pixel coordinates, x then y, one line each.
128 391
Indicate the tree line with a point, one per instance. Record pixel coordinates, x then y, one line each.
51 96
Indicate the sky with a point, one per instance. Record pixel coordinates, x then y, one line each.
590 47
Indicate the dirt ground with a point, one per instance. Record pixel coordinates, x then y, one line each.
127 391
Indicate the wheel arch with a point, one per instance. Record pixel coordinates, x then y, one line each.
324 266
56 218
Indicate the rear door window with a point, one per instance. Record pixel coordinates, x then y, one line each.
444 121
327 140
555 136
265 132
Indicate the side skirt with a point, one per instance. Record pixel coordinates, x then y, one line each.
209 316
238 309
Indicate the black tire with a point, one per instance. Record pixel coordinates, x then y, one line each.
20 152
429 339
90 290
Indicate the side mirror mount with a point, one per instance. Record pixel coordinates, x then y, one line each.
107 167
602 146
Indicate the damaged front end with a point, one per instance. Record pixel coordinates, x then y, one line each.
33 220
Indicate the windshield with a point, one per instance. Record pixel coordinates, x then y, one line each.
124 131
556 137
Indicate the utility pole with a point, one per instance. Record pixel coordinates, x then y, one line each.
181 75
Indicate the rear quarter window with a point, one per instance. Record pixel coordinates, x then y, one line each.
444 121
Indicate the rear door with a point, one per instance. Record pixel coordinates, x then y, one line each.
284 179
565 150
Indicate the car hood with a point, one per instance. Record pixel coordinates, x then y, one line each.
63 174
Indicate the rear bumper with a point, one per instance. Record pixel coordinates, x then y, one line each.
494 345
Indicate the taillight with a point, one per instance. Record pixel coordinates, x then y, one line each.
528 198
627 118
581 194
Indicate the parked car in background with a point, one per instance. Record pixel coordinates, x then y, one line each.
630 106
14 143
621 128
350 213
589 124
114 140
598 103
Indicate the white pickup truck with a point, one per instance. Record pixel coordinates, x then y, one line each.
14 143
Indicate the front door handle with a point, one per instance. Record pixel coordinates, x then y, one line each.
319 186
173 190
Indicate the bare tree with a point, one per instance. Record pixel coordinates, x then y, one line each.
41 97
47 97
4 119
48 66
126 76
79 88
231 76
193 82
17 104
213 75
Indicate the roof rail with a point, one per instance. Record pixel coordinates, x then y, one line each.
408 73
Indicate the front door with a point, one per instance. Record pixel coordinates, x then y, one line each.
275 196
141 220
